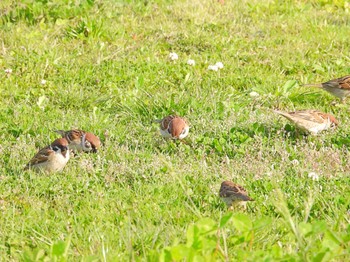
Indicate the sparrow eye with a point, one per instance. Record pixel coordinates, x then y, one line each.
55 148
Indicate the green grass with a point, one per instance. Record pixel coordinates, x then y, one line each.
142 197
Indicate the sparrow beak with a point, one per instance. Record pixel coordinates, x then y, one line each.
156 121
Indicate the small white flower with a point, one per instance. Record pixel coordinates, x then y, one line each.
191 62
43 82
219 65
295 162
313 176
8 70
173 56
254 94
213 67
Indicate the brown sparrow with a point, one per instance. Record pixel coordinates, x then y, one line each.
310 121
52 158
233 194
80 140
173 127
339 87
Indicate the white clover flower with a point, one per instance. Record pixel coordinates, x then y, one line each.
213 68
8 71
295 162
219 65
191 62
254 94
313 176
43 82
173 56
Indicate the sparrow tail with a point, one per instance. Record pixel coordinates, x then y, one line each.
285 114
61 132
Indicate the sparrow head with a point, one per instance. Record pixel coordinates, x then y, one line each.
60 145
91 142
178 128
333 120
235 191
227 184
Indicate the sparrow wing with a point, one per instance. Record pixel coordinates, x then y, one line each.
238 192
306 115
229 191
42 156
310 115
177 126
73 136
342 83
232 189
164 124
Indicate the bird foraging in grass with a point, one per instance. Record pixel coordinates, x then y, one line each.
339 87
52 158
80 140
173 127
310 121
233 194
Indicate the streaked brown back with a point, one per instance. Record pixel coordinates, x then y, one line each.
341 82
164 124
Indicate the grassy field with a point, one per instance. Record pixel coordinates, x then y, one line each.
103 66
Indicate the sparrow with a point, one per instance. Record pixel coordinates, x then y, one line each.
233 194
80 140
339 87
310 121
173 127
52 158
